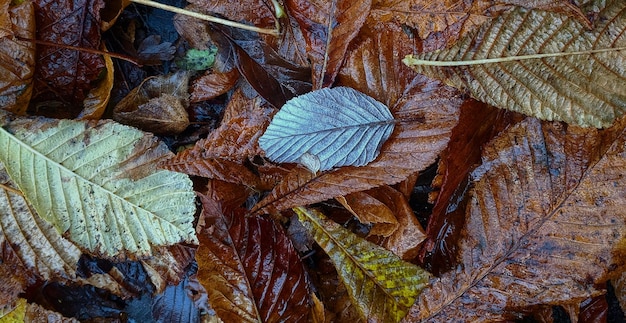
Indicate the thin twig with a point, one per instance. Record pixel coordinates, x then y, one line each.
82 49
411 61
197 15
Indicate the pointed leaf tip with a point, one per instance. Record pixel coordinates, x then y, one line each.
381 286
339 126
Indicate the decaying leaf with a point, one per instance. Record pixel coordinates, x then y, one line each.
222 153
545 222
249 267
585 90
339 126
96 182
64 76
370 211
371 273
97 99
158 105
328 28
37 313
212 84
17 57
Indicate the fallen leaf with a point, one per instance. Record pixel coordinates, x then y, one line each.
99 184
222 153
369 210
64 76
328 28
583 89
180 303
97 100
37 313
16 313
42 250
428 17
369 272
619 284
158 105
249 266
14 278
212 84
152 51
338 127
17 57
544 224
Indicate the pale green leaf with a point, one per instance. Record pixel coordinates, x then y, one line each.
381 286
503 64
339 126
96 182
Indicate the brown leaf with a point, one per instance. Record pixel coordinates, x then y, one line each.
64 76
545 222
212 84
14 278
427 111
328 28
222 153
158 105
429 17
369 210
17 57
97 100
478 124
37 313
249 266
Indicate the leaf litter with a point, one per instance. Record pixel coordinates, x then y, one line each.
367 58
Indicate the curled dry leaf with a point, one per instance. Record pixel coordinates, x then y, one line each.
369 210
328 28
249 266
17 57
96 102
425 111
545 222
158 105
585 90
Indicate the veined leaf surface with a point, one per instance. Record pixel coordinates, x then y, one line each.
586 90
380 284
95 181
339 126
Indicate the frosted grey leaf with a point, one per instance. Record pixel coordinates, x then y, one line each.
339 126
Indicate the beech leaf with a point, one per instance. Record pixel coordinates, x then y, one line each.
339 126
544 223
582 89
96 181
380 284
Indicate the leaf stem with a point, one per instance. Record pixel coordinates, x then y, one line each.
409 60
197 15
11 189
81 49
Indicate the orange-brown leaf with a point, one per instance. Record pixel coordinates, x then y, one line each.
426 111
328 28
545 222
222 153
212 84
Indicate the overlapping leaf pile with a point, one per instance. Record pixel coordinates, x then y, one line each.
311 180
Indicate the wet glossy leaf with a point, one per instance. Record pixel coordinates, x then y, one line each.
42 250
249 267
97 100
222 153
428 17
584 89
429 109
212 84
97 183
64 76
158 105
339 127
545 222
369 272
17 57
369 210
328 28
